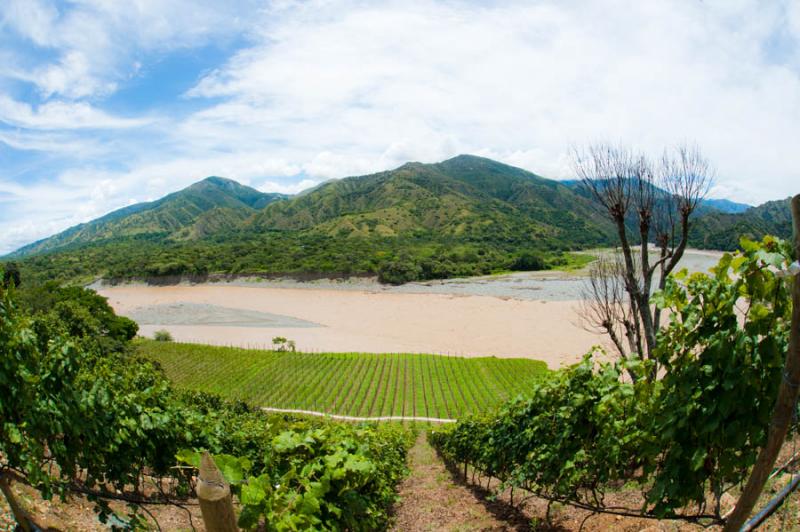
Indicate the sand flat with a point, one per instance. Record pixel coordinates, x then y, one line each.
363 321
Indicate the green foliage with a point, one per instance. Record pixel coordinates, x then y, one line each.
81 311
716 230
358 384
707 434
66 401
578 430
76 411
331 477
162 335
11 276
399 272
467 216
529 262
279 343
681 437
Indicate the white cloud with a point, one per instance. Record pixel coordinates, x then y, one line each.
326 89
362 88
59 115
288 188
97 42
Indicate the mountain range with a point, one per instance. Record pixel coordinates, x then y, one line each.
466 215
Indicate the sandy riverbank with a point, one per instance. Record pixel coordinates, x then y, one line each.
348 320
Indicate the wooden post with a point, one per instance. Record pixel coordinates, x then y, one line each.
787 397
214 495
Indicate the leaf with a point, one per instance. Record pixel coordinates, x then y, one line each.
252 493
287 441
232 467
188 456
698 458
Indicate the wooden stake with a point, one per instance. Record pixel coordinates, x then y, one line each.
214 495
787 397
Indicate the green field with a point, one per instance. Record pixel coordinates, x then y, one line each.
355 384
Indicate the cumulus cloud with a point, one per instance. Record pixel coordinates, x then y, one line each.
95 44
324 89
515 81
288 188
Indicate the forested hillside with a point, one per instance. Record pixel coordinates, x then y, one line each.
716 230
211 206
465 216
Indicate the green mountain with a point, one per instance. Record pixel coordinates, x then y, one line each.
464 216
706 204
714 230
207 207
465 198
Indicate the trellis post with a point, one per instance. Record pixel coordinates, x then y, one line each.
214 494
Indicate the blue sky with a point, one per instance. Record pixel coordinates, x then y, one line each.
103 104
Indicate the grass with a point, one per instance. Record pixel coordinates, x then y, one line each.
357 384
576 261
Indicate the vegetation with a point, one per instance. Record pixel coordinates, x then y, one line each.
212 205
683 438
723 231
331 477
466 216
162 335
646 202
81 411
355 384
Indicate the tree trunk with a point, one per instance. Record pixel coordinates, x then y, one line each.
19 514
784 406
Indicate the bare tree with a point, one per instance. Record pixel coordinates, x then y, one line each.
606 308
647 204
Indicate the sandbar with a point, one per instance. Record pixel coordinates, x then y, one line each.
365 321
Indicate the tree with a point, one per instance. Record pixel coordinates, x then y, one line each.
11 275
648 203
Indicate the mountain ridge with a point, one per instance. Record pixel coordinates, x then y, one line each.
176 213
464 216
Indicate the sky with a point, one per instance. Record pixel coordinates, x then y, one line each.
106 103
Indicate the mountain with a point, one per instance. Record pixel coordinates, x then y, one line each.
714 230
210 206
726 206
463 216
706 205
466 197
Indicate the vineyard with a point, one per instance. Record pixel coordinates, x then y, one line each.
353 384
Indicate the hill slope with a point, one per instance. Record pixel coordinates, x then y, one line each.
715 230
467 197
464 216
207 207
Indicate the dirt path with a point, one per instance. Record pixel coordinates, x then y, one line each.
355 418
430 500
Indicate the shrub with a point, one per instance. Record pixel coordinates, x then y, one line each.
399 272
280 343
162 335
529 262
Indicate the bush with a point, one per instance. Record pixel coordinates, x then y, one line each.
399 272
529 262
162 336
279 343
